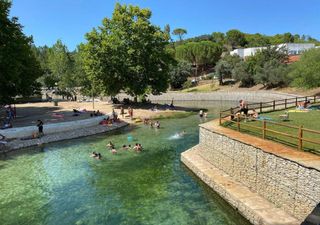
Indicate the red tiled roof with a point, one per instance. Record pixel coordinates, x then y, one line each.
293 58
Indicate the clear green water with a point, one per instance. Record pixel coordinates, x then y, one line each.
60 184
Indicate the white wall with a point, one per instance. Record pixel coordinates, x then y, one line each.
21 132
293 49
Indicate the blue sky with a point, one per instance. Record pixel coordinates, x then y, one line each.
69 20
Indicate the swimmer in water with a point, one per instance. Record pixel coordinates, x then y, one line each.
98 156
93 154
182 133
114 151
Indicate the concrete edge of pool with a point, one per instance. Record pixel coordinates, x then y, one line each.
251 205
268 183
60 136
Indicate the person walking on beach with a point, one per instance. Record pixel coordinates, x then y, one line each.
40 127
130 111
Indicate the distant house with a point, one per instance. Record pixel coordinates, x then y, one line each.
292 48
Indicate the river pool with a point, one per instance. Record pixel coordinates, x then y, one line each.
60 183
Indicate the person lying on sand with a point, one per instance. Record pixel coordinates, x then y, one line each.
110 145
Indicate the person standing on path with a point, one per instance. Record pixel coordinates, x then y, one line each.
40 127
122 111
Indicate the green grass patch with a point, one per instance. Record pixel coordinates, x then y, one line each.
309 120
202 88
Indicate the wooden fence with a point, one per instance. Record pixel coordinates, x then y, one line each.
231 115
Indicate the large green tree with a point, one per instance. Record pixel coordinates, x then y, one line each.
179 74
128 53
62 67
306 72
236 38
272 74
203 53
225 67
19 68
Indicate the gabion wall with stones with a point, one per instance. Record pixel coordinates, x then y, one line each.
288 184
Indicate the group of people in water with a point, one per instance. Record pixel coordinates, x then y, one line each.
152 123
137 148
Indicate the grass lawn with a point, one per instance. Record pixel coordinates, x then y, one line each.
309 119
202 88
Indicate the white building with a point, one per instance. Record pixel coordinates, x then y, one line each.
292 48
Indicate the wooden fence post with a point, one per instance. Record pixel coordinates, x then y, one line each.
300 136
285 104
238 122
314 99
260 107
274 105
296 101
264 126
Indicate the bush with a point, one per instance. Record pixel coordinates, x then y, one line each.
187 84
272 74
179 74
306 72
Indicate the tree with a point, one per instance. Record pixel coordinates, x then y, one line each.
42 54
225 66
179 74
235 38
270 53
128 53
203 53
218 37
256 40
62 65
19 68
272 74
306 72
288 38
243 72
179 32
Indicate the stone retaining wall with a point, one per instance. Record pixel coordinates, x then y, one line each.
252 96
70 134
289 185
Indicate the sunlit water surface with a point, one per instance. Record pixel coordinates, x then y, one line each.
60 183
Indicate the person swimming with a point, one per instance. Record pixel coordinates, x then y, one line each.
181 134
93 154
157 124
201 113
114 151
98 156
138 147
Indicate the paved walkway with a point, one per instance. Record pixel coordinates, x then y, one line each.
251 205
